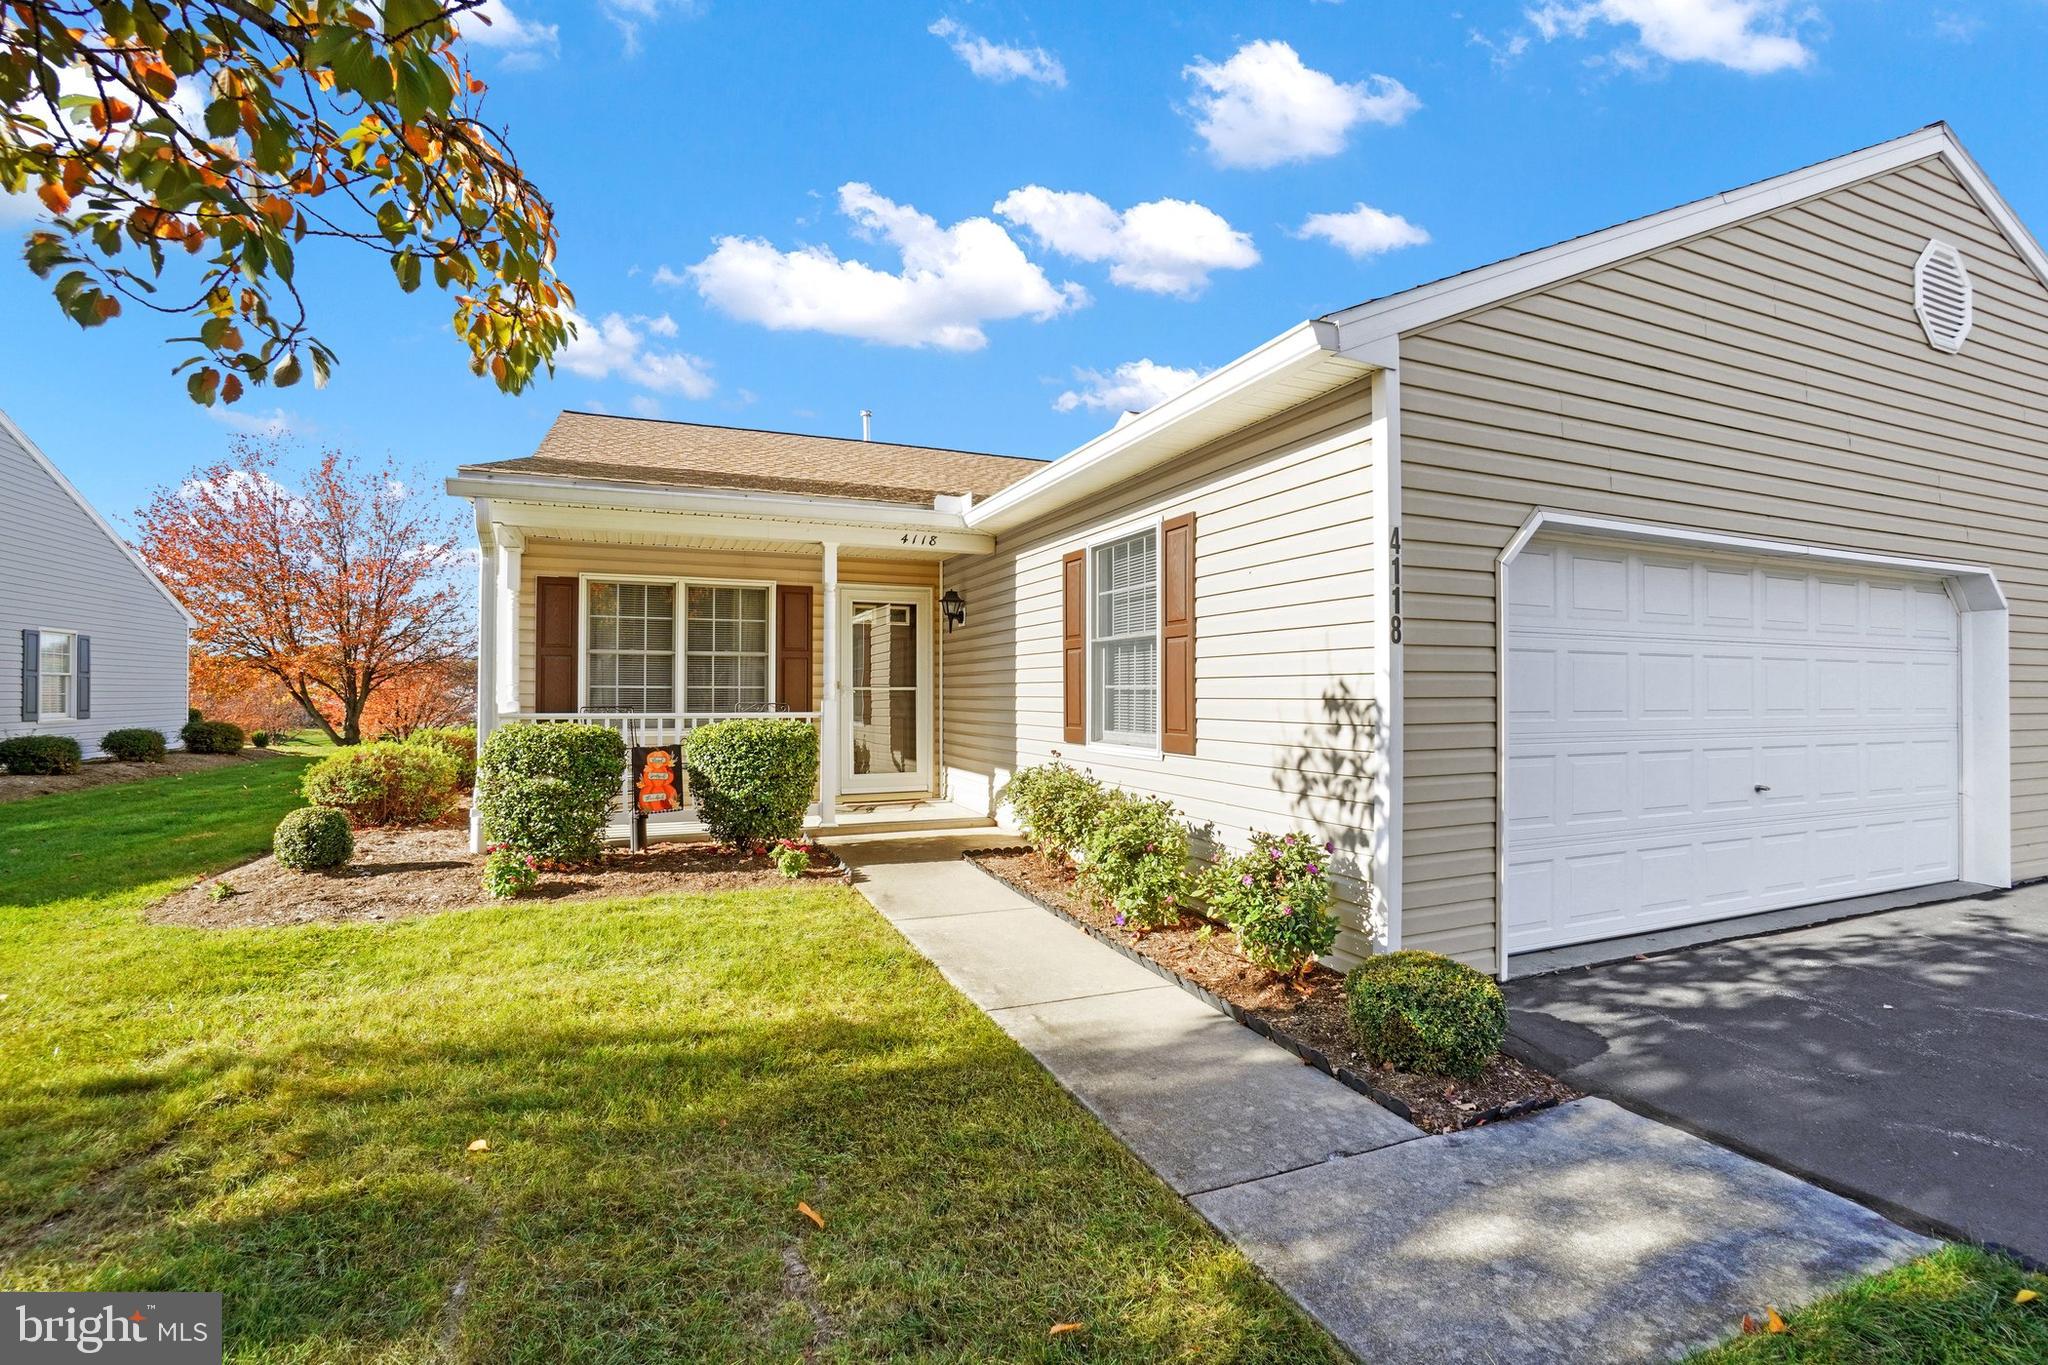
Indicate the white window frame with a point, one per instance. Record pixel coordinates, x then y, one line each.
1093 742
682 587
70 710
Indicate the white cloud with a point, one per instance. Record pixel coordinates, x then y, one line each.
274 424
1263 107
628 15
1164 246
1364 231
616 345
1754 36
521 42
1132 386
644 406
996 61
952 280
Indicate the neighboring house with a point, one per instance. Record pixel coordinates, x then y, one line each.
1689 569
90 640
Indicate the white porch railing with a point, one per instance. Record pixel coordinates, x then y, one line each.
654 728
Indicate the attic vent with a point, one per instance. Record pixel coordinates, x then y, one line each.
1942 296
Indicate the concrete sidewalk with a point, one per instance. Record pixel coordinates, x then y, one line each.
1584 1234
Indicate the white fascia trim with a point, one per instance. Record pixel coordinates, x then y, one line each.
1151 433
1430 304
1983 646
570 492
35 452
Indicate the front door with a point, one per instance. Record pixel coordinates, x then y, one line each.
886 656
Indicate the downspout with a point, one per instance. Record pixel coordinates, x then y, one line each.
486 649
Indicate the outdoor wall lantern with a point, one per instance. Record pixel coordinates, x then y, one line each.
954 607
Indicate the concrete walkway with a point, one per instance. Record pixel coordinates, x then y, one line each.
1583 1234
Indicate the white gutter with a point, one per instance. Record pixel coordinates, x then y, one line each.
1164 430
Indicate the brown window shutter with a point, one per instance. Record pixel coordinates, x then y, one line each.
793 646
554 644
1074 644
1177 634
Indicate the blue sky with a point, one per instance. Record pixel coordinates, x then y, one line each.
998 224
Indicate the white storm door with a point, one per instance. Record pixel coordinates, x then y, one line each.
886 662
1695 737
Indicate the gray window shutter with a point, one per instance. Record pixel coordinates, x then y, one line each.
31 674
82 681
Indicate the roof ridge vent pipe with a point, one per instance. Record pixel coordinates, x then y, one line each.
865 417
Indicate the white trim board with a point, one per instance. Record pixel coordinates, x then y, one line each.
1442 300
35 452
1983 616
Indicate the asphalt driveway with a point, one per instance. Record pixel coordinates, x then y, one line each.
1900 1058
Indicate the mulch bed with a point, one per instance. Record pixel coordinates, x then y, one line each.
108 772
404 873
1313 1026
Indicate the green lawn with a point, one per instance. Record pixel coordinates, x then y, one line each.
283 1114
1955 1307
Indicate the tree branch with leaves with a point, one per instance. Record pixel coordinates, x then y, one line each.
232 131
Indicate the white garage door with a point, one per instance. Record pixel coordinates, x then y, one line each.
1695 737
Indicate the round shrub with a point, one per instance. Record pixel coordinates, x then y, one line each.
753 778
40 755
383 784
1426 1013
547 790
193 713
313 839
1277 898
134 746
212 737
1137 859
456 741
1056 805
260 738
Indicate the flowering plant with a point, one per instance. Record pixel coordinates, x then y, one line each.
1276 896
508 872
792 857
1137 857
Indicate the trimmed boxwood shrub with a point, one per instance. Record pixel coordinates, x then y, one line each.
212 737
1136 858
546 790
753 778
313 839
458 742
40 755
134 746
384 784
1056 805
1426 1013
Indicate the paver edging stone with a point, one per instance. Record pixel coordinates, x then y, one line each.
1355 1080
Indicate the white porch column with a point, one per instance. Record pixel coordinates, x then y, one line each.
830 708
486 667
510 543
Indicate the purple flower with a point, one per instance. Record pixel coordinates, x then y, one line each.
1286 909
1330 846
1119 918
1246 879
1313 870
1290 838
1274 853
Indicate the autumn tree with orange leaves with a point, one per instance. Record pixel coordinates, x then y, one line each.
343 589
186 151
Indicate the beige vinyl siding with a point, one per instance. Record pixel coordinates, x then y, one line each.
566 559
1283 639
1768 380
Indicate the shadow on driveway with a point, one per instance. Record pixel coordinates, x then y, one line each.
1900 1058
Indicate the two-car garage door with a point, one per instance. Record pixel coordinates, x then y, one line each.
1692 737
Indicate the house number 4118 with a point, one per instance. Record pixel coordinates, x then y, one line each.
920 538
1394 566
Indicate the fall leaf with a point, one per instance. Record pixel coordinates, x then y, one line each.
807 1211
2024 1296
480 1145
54 197
1060 1329
1749 1327
1772 1322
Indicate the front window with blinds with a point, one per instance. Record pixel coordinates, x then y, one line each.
631 638
726 643
54 671
1125 624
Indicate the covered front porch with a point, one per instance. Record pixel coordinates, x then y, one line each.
654 612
